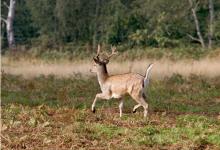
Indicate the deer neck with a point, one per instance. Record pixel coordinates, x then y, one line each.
102 74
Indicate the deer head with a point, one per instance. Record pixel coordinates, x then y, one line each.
99 64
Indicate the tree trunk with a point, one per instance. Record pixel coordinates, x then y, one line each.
211 22
193 9
9 26
94 38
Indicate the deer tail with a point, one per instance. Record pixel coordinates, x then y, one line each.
146 78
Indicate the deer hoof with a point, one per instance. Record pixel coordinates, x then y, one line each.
93 110
134 111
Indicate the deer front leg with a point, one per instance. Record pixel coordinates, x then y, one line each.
121 106
101 96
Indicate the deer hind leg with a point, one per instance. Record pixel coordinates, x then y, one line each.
136 107
100 96
145 105
141 100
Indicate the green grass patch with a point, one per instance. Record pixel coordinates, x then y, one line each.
175 94
196 128
108 131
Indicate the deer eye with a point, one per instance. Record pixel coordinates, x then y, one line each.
106 61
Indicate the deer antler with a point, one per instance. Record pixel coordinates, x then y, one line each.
114 52
98 50
96 58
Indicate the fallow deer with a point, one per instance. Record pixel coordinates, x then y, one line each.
116 86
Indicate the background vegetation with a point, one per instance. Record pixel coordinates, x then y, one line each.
78 25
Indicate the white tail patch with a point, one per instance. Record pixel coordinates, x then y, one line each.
146 79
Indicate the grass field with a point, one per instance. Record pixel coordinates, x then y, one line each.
50 112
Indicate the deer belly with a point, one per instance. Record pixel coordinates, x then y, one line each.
114 95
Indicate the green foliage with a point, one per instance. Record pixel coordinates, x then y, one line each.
138 37
56 23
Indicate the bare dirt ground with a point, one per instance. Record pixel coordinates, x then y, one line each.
209 67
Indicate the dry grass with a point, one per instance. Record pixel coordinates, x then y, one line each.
208 67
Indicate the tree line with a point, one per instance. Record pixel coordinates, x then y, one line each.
157 23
